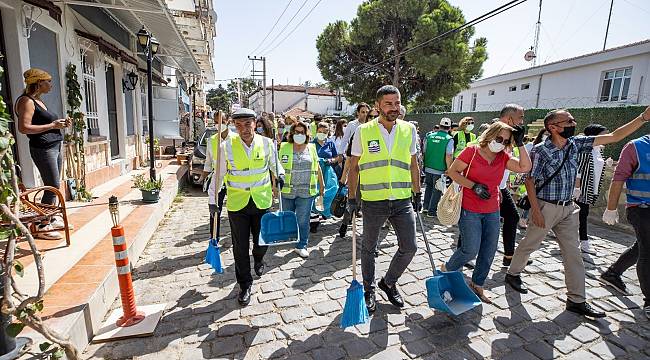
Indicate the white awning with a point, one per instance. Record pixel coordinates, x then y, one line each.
157 19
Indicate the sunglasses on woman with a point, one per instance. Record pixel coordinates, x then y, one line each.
503 141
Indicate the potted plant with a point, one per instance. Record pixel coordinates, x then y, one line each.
150 188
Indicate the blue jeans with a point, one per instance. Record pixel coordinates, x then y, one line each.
302 207
431 194
480 233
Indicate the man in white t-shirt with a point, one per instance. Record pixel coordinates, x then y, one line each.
362 113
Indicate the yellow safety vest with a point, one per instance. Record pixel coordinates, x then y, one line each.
462 142
384 175
286 159
246 177
213 146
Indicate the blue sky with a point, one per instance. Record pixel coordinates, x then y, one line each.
569 28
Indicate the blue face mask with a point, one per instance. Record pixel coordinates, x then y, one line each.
260 130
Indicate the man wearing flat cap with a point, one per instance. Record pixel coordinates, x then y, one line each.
246 159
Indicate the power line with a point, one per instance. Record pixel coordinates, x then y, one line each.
294 29
273 27
473 22
285 27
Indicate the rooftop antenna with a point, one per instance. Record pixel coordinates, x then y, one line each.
609 18
532 54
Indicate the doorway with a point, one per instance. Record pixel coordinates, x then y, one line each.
5 91
112 113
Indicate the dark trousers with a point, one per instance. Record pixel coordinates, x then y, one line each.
48 162
243 223
638 253
584 214
510 217
214 208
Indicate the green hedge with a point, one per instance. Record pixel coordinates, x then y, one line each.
610 117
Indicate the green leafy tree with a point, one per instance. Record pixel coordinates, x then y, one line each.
248 86
381 31
219 98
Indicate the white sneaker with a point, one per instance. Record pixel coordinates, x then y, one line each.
303 253
50 235
584 246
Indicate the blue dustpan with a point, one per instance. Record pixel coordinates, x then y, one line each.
279 228
459 297
448 291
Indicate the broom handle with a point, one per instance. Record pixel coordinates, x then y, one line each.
277 164
426 242
354 246
217 172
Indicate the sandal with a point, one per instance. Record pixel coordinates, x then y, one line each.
479 292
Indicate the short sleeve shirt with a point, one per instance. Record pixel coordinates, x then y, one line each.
389 139
547 158
488 174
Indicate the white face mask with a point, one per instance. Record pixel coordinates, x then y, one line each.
299 138
321 136
232 128
224 127
470 127
495 147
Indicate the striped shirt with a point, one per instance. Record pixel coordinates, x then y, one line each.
546 158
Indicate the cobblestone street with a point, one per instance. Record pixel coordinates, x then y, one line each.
297 303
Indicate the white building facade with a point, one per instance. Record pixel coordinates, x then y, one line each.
317 100
614 77
99 40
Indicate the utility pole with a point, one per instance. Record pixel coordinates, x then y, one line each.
239 91
608 20
263 75
272 97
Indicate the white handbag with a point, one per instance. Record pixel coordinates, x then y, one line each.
451 202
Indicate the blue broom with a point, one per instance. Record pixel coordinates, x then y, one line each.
355 311
213 254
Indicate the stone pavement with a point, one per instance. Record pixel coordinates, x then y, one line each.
297 304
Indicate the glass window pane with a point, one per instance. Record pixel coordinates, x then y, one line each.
616 89
628 72
626 87
619 73
609 75
604 95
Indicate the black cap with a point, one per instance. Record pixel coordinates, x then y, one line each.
243 113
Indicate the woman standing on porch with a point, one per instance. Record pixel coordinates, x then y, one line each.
43 128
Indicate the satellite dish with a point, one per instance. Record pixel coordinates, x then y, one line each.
530 55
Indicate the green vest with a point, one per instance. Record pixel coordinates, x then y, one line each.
521 189
462 142
384 175
313 129
286 159
436 152
247 177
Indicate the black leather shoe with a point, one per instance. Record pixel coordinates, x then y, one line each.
244 297
583 309
516 283
392 293
507 261
371 303
259 268
343 229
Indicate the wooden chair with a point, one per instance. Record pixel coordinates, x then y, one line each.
33 212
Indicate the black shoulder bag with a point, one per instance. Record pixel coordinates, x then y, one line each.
524 202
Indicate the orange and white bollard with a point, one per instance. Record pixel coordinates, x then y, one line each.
131 315
128 322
